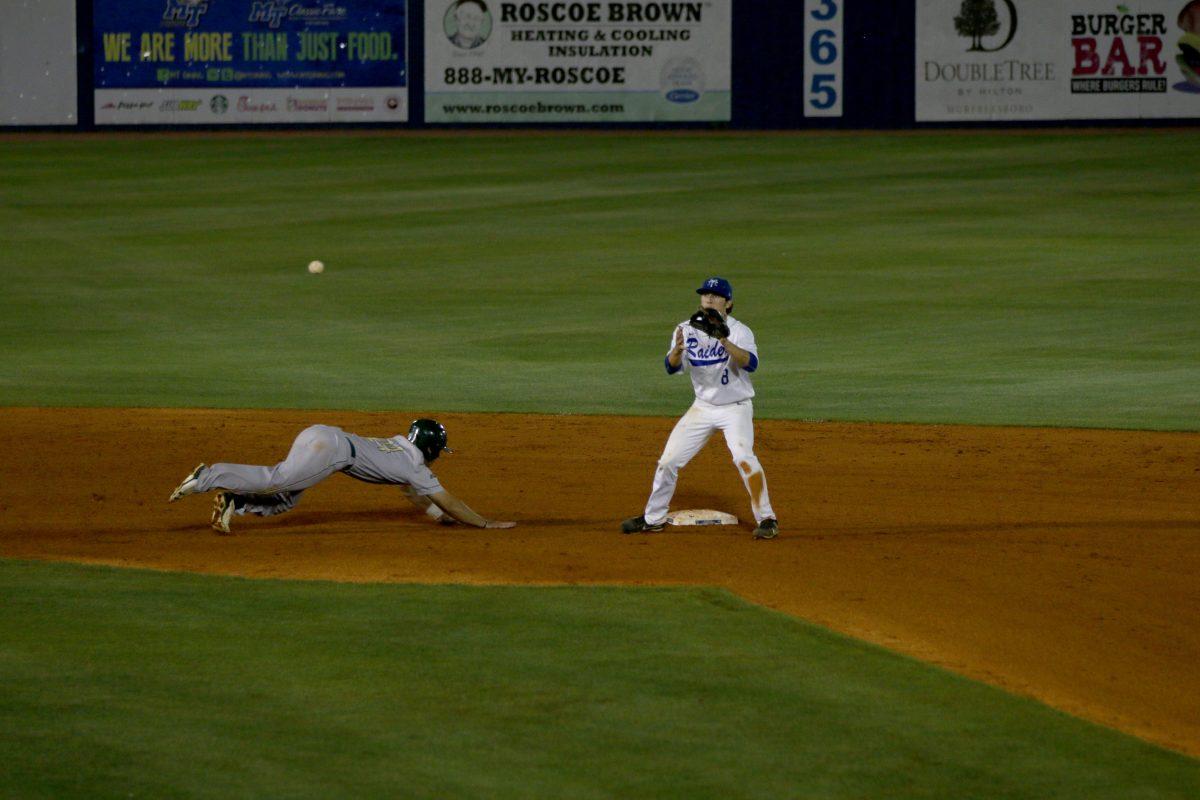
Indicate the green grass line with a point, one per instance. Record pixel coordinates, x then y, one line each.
1039 279
124 682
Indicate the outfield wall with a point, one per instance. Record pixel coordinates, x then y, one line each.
776 64
37 63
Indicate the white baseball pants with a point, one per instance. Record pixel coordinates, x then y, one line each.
691 433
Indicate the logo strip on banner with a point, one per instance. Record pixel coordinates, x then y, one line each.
268 61
638 60
823 58
990 60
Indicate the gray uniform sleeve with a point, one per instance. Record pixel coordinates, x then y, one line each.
424 482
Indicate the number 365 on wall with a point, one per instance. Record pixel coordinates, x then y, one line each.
823 58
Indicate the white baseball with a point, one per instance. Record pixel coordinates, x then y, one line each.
316 267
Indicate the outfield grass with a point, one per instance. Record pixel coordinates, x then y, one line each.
1008 279
130 683
1044 278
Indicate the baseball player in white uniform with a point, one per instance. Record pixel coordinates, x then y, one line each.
318 452
719 353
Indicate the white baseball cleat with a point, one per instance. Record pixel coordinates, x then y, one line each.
222 513
188 486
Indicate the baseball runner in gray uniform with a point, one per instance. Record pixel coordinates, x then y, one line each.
318 452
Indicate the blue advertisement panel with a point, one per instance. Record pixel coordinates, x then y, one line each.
246 61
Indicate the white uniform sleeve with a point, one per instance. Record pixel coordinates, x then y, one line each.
743 337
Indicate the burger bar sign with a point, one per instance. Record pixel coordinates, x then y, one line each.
1152 49
1057 59
1118 53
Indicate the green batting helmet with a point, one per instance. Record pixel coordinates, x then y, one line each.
429 436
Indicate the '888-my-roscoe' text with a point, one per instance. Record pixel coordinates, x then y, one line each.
501 76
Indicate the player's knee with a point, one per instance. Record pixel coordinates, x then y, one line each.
746 463
669 466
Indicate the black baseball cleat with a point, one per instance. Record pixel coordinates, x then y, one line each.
767 529
639 525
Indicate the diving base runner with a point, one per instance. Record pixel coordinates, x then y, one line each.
318 452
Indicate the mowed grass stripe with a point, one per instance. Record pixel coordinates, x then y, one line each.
1036 279
122 682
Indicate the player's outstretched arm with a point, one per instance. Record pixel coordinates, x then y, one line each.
463 513
428 506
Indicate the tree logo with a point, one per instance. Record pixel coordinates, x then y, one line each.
978 18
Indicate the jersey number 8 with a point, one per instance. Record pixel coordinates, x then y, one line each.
725 377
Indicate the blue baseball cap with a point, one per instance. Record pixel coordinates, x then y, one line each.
716 286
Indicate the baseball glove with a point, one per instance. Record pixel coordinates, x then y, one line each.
708 320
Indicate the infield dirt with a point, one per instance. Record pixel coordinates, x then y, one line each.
1059 564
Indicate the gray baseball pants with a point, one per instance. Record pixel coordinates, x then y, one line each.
317 452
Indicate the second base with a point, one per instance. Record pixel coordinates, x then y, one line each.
701 516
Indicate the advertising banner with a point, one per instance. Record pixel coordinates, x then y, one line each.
250 61
984 60
636 61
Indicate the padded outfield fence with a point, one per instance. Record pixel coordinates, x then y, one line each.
774 65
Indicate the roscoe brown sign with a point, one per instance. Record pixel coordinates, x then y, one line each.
577 61
601 12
